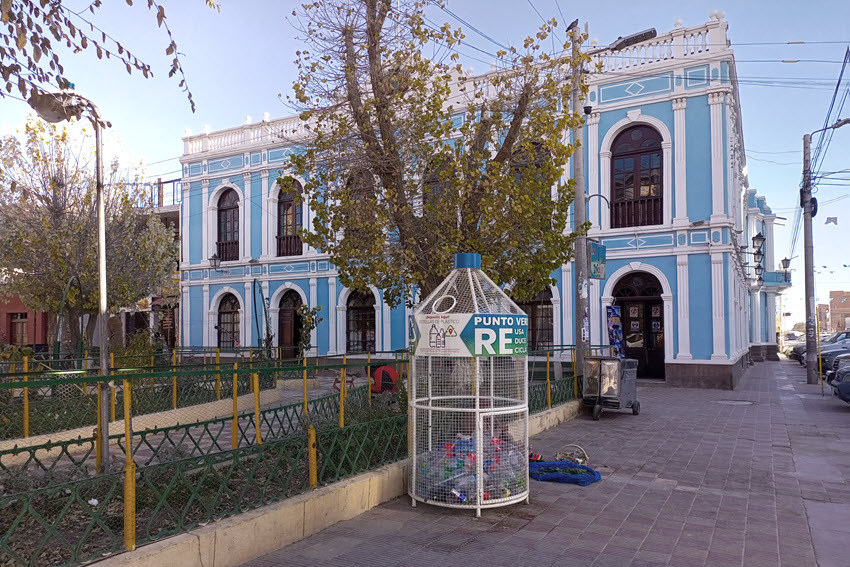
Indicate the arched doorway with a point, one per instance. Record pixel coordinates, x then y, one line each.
289 324
228 322
639 296
360 329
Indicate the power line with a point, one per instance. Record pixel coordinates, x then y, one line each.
470 26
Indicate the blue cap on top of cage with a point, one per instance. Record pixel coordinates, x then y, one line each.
468 260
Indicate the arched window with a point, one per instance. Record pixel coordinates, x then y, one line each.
289 220
228 322
289 324
636 178
434 180
541 321
361 192
227 246
524 158
360 316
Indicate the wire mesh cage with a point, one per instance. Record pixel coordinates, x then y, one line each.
469 394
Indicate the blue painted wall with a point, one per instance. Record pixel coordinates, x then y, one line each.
323 329
257 216
699 283
195 233
197 316
698 158
398 328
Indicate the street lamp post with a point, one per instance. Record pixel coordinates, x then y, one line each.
57 107
809 253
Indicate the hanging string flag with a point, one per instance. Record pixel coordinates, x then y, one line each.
832 220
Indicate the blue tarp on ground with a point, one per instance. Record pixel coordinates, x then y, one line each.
555 471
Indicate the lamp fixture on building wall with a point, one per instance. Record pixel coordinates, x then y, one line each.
758 240
215 264
758 256
759 270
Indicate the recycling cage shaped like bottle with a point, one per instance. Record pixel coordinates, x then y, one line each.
468 397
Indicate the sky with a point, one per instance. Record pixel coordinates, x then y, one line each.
239 59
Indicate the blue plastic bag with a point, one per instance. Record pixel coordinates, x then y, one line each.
536 471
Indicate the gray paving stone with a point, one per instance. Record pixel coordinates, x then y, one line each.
698 484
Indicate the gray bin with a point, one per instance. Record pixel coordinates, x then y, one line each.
610 382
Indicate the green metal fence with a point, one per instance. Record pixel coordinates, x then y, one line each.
55 510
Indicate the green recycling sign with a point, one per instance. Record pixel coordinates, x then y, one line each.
456 335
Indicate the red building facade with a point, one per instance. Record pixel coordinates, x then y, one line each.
21 326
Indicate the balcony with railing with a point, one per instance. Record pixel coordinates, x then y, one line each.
289 245
681 43
228 251
637 212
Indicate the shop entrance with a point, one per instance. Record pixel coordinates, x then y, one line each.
639 296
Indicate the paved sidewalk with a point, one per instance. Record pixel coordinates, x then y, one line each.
755 477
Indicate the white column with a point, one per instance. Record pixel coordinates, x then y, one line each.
769 260
206 335
270 220
679 151
247 322
567 303
332 315
606 303
595 316
667 298
593 168
605 186
715 105
718 319
556 314
245 221
385 322
313 302
684 322
771 317
185 337
756 334
667 180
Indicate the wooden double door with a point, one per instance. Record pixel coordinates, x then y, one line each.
642 311
289 324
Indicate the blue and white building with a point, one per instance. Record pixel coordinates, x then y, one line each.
663 150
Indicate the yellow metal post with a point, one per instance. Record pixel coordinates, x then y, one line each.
26 398
256 379
234 426
111 389
218 374
98 455
548 383
312 461
174 379
344 386
304 409
251 354
312 467
129 478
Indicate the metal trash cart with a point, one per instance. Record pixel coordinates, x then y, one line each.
610 382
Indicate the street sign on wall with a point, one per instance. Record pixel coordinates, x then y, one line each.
597 261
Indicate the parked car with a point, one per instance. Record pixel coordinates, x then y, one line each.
798 353
830 352
839 372
789 345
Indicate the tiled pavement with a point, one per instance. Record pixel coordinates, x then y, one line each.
691 481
